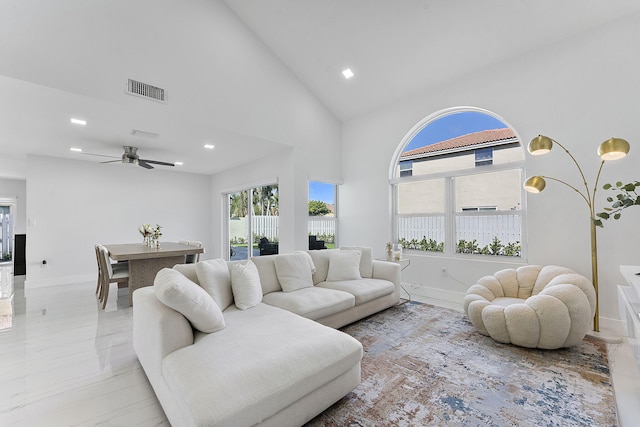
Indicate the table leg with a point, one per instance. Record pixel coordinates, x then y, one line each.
142 272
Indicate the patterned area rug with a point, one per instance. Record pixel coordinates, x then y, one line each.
427 366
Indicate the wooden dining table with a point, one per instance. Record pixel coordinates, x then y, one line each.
145 262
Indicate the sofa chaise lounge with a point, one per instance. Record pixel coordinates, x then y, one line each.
270 359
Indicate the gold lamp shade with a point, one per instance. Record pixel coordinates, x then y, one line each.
535 184
540 145
613 149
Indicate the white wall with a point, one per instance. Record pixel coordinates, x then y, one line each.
16 188
72 205
579 92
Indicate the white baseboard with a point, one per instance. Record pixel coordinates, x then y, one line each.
435 293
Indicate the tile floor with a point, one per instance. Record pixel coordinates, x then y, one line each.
65 362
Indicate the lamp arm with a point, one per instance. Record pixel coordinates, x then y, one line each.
595 188
586 199
584 180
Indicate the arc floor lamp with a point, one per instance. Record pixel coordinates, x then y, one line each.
611 149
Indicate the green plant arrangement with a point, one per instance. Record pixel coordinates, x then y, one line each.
627 196
496 247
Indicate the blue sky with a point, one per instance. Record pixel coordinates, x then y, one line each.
322 191
454 125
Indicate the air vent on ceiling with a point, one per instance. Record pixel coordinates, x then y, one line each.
146 91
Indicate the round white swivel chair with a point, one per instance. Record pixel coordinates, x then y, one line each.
533 306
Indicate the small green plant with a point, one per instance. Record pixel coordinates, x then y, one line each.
496 247
627 196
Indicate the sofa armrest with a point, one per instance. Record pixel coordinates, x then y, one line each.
157 331
387 270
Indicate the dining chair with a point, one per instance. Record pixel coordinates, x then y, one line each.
193 258
118 266
109 274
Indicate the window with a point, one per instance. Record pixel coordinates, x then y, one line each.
323 218
484 156
406 168
253 232
444 204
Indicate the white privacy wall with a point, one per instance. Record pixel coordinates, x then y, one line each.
72 205
579 92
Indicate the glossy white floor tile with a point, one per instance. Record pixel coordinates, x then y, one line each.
66 362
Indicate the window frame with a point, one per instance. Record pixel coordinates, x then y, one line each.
226 206
335 218
450 214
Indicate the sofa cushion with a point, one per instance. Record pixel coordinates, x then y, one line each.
267 271
313 303
344 265
366 259
175 290
364 290
245 284
188 270
294 271
321 261
228 379
214 277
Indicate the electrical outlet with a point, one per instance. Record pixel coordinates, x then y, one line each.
444 272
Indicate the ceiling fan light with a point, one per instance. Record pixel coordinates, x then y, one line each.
540 145
535 184
613 149
129 160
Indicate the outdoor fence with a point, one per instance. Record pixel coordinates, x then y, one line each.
482 228
267 226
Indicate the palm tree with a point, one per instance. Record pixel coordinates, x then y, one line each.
239 204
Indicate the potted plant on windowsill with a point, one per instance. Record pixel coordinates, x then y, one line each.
627 196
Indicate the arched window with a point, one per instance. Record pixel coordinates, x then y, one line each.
457 185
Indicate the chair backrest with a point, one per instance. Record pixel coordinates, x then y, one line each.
191 259
106 262
98 256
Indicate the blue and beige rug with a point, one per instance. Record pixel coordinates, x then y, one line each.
427 366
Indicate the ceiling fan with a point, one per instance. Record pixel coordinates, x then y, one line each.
130 156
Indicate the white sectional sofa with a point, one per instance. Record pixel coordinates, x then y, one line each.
253 343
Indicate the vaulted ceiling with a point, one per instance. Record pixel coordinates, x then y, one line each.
220 61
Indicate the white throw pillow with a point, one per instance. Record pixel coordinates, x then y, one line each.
214 278
245 283
294 271
312 266
175 290
366 259
344 265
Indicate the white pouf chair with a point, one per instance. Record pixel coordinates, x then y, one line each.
533 306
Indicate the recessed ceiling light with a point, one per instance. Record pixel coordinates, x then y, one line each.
209 146
79 122
178 163
76 149
347 73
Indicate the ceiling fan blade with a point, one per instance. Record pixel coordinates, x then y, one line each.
155 162
100 155
144 164
112 161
